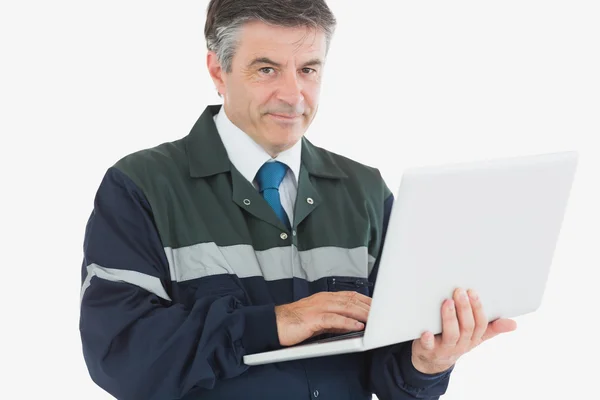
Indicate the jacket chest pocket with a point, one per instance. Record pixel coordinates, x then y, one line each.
348 283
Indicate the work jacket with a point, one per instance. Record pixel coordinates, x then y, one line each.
184 263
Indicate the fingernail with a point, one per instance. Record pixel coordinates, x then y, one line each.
451 305
359 325
474 295
429 342
463 294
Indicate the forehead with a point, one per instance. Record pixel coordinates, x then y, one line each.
259 39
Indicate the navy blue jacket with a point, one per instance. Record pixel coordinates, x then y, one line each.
184 263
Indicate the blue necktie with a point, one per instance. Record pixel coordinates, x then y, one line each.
269 177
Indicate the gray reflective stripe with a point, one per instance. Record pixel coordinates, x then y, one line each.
206 259
371 262
150 283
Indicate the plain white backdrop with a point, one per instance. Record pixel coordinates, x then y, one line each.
407 83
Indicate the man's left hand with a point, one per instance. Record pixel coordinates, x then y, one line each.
464 327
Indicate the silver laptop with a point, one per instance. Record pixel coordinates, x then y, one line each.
489 225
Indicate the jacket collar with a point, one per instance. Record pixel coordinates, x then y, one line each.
205 151
319 162
207 155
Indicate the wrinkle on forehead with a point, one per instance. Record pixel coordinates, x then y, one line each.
303 32
282 44
305 47
301 42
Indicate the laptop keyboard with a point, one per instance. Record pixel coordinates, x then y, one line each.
342 337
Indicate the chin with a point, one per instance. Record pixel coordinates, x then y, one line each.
284 140
285 132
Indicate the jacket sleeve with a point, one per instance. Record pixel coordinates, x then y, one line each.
138 343
391 372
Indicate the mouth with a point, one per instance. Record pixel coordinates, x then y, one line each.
286 117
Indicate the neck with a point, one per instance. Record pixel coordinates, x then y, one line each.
274 151
271 149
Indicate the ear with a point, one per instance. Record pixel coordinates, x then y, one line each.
216 72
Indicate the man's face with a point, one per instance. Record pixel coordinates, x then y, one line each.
272 91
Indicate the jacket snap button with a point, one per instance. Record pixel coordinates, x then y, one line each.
310 201
247 202
283 236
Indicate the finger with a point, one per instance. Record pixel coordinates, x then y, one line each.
499 326
464 312
427 341
354 297
359 296
337 331
450 329
348 307
481 321
357 299
335 321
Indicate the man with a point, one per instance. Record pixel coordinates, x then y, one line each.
243 237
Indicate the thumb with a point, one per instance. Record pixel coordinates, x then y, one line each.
499 326
427 341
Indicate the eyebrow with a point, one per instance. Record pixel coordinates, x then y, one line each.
266 60
315 62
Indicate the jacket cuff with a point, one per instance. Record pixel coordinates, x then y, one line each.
260 331
414 377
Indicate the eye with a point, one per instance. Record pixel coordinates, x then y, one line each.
267 70
308 70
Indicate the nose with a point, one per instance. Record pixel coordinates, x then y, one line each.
290 89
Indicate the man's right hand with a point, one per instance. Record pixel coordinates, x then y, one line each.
325 312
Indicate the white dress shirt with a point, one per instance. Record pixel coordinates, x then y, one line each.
247 157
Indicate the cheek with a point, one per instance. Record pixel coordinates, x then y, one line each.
237 93
262 99
311 95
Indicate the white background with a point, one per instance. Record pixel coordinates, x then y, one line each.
407 83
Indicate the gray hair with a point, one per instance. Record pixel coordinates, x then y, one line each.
226 18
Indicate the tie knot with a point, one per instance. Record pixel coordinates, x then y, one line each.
270 175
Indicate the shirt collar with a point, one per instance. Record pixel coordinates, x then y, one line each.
246 155
206 154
